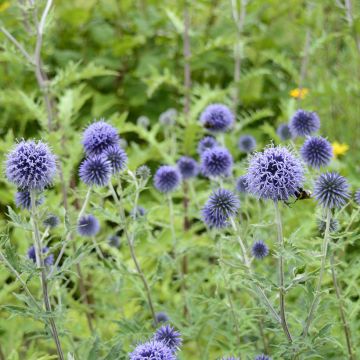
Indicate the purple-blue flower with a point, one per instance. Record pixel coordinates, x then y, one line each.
217 118
143 172
95 170
230 358
276 174
167 178
357 197
51 221
169 336
188 167
331 190
161 317
138 212
88 225
152 350
221 205
247 143
206 143
216 162
316 152
114 241
333 226
98 137
117 157
259 249
31 165
262 357
241 184
304 123
283 132
23 199
48 261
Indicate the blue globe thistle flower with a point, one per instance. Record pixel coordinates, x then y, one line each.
88 225
283 132
217 118
161 317
216 162
188 167
274 174
316 152
143 172
31 165
167 178
221 205
262 357
48 261
168 117
241 184
23 199
247 143
51 221
206 143
357 197
304 123
95 170
331 190
169 336
114 241
138 212
334 225
152 350
143 121
98 137
117 157
259 250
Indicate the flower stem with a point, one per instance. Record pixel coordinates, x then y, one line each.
281 273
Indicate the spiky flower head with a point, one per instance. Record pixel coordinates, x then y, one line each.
262 357
95 170
167 178
23 199
217 118
98 137
169 336
247 143
283 132
331 190
259 249
216 162
143 172
31 165
88 225
304 123
206 143
333 226
152 350
168 117
241 184
221 205
114 241
276 174
357 197
51 221
188 167
48 261
161 317
117 157
316 152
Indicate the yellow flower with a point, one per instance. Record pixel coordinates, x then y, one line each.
339 149
299 93
5 5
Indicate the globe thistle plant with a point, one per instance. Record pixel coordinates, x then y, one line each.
241 184
114 241
283 132
143 121
259 250
206 143
23 199
138 212
161 317
167 178
152 350
333 225
31 165
230 358
88 225
169 336
316 152
48 261
143 172
95 170
168 117
188 167
51 221
217 118
357 197
117 157
216 162
262 357
304 123
247 143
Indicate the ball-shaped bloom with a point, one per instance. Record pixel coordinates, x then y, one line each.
357 197
114 241
221 205
259 249
331 190
152 350
161 317
169 336
206 143
333 226
98 137
31 165
51 221
217 118
247 143
262 357
168 117
117 157
316 152
167 178
283 132
95 170
276 174
143 172
241 184
48 261
143 121
188 167
216 162
88 225
23 199
304 123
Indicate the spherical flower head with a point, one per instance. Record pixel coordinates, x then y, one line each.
333 226
48 261
262 357
206 143
221 205
304 123
161 317
217 118
241 184
331 190
152 350
259 250
88 225
143 172
167 178
51 221
23 199
216 162
114 241
31 165
276 174
169 336
98 137
316 152
283 132
117 157
138 212
95 170
188 167
143 121
357 197
247 143
168 117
